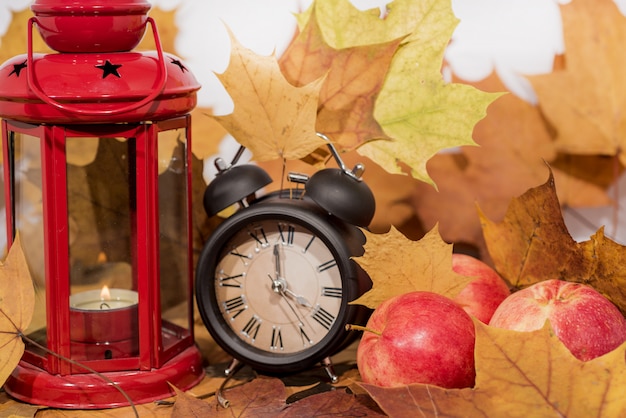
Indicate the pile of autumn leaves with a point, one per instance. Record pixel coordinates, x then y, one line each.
380 92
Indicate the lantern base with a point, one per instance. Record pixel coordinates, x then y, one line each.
33 385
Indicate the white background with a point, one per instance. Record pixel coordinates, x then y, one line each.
511 37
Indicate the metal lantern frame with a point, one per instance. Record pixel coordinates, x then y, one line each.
41 375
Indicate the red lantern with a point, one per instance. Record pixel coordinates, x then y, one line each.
97 156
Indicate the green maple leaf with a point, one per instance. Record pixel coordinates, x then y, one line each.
416 107
342 24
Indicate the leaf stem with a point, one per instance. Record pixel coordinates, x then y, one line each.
89 369
221 400
352 327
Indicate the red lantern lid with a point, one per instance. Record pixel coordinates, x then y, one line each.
95 77
95 88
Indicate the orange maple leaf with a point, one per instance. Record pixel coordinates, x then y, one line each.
585 101
532 244
354 77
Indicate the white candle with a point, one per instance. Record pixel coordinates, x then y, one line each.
106 316
95 300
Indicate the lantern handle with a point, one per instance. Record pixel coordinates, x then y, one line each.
34 86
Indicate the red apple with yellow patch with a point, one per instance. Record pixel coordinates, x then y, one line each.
587 323
418 337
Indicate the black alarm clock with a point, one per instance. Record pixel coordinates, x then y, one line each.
274 280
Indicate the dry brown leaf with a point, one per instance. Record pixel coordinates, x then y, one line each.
17 304
519 375
582 180
535 374
424 401
149 410
262 397
399 265
189 406
336 403
272 118
585 102
266 397
354 77
532 244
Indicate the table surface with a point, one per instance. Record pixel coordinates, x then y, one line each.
216 361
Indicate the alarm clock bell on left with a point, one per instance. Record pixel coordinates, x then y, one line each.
274 280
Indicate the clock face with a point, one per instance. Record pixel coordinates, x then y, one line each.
278 286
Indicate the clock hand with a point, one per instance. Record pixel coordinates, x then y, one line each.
277 262
300 299
292 308
278 286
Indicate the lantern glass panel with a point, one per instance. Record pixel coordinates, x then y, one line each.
174 236
26 187
101 213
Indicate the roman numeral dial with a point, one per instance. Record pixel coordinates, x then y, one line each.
279 286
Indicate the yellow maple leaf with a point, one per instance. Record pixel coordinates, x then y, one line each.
542 377
585 101
415 107
272 118
399 265
519 374
17 304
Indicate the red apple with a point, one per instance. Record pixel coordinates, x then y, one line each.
587 323
482 295
418 337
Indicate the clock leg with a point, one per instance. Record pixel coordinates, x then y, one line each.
327 364
233 367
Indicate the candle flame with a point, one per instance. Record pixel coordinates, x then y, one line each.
102 258
105 294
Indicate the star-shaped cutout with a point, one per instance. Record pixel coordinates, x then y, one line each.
178 64
108 68
17 68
